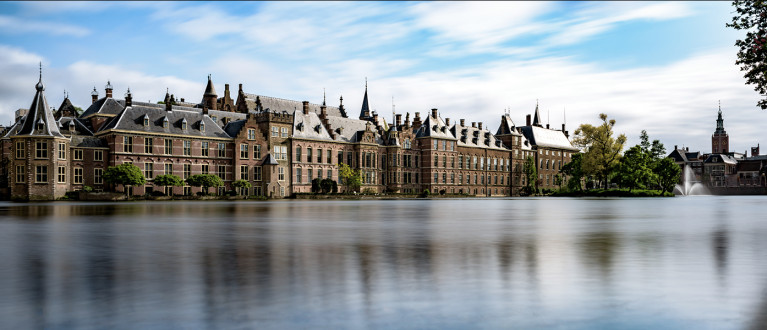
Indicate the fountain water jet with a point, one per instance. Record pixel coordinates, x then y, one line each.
689 185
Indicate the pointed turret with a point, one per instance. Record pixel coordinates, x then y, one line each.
66 109
720 121
40 120
537 117
210 97
365 110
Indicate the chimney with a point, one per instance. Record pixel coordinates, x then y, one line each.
527 121
128 98
204 109
169 104
398 120
676 147
463 122
563 127
108 89
407 119
240 87
94 95
434 112
417 119
375 118
306 107
182 100
447 121
474 124
755 151
547 126
323 111
687 149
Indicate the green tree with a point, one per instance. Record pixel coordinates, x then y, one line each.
352 179
240 185
574 172
167 180
125 174
634 169
667 174
751 17
326 185
316 185
531 175
603 151
205 181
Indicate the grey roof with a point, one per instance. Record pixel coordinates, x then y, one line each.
365 107
87 142
234 127
309 126
210 90
537 118
434 127
269 160
220 115
507 126
474 137
132 119
105 106
279 105
66 106
548 138
720 158
39 120
350 129
11 130
79 126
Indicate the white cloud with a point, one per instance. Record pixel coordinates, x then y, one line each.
13 25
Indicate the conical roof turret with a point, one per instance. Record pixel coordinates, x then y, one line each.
39 120
209 89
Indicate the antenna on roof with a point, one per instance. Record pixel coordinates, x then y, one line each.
564 114
41 70
393 115
323 95
548 117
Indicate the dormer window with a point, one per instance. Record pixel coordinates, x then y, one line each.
202 127
72 125
300 126
444 128
183 124
146 121
434 128
213 118
165 122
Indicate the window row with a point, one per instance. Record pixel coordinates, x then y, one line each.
167 147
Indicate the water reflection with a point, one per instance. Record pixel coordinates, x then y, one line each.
523 263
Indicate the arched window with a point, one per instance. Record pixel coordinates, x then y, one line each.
298 153
407 143
202 127
183 124
165 122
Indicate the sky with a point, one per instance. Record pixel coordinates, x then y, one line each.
656 66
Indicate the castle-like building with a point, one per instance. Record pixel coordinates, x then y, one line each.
278 145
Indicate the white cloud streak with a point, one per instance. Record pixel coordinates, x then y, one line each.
13 25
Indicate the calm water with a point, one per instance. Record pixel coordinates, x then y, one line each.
674 263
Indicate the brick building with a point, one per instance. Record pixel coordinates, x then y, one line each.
277 145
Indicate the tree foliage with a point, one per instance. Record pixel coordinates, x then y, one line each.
241 184
573 172
352 179
667 174
751 17
125 174
634 169
167 180
205 181
530 172
603 151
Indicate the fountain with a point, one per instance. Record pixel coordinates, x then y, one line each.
689 185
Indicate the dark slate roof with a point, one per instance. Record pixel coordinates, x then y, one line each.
88 142
220 115
66 106
679 155
537 117
105 106
132 119
507 126
309 126
434 127
234 127
365 107
290 106
548 138
39 120
269 160
11 130
474 137
210 90
749 166
79 126
719 158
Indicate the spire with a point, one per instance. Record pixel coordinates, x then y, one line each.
323 97
40 120
365 111
719 120
537 118
209 89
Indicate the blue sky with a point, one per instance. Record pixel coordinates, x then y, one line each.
659 66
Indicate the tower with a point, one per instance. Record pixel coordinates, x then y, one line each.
39 153
365 110
720 141
209 99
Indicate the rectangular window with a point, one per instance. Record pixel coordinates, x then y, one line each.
20 177
169 168
284 132
149 170
187 148
257 151
221 150
257 173
168 147
330 156
41 174
444 177
319 155
41 149
444 145
330 174
281 173
309 175
127 144
251 134
243 172
309 155
62 151
20 149
319 174
435 144
97 175
78 175
340 158
243 151
148 144
444 160
61 176
298 175
221 172
436 177
283 152
436 160
98 155
205 169
349 158
187 170
275 131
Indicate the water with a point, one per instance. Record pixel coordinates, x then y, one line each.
670 263
690 184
